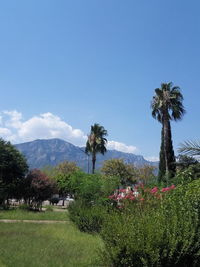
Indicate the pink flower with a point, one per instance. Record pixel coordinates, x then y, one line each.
122 190
120 196
131 197
172 186
165 189
154 190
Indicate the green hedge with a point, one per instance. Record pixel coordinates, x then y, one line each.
87 218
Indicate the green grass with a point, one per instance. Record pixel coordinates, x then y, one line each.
39 245
17 214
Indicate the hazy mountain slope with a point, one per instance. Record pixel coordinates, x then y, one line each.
40 153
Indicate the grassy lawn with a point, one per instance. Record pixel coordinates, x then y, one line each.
39 245
17 214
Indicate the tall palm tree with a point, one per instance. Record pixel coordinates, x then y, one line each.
96 142
166 106
190 148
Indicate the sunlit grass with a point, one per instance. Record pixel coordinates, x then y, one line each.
40 245
17 214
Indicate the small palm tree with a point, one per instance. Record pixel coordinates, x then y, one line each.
190 148
96 142
167 105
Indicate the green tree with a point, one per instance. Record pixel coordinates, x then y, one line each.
116 167
162 163
146 174
166 106
96 142
37 188
63 173
13 168
67 167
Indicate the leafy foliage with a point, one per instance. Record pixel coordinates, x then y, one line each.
184 161
116 167
62 174
167 234
91 188
187 175
91 199
87 218
13 168
146 174
37 188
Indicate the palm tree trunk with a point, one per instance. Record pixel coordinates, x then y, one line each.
93 162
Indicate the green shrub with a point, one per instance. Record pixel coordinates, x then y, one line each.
87 218
91 198
165 235
91 187
187 175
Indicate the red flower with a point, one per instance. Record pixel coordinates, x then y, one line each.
154 190
165 189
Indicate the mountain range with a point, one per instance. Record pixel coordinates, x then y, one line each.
40 153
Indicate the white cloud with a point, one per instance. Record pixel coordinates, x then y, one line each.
121 147
152 158
43 126
6 134
46 126
14 119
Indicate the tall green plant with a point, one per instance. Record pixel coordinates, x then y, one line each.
96 142
166 106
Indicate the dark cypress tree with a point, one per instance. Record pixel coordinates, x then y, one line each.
171 156
162 167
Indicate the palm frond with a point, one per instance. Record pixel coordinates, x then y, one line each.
190 148
167 99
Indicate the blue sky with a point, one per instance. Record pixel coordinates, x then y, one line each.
65 65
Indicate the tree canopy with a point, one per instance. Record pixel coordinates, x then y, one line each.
38 187
127 173
13 168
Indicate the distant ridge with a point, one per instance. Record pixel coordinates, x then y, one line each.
43 152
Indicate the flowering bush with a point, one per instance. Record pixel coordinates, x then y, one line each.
165 234
139 194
